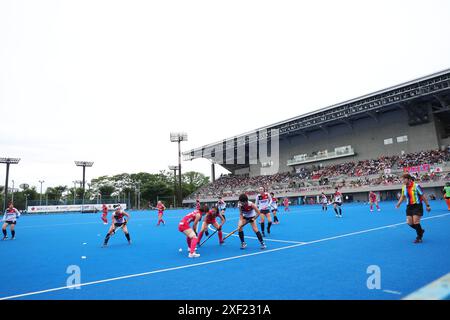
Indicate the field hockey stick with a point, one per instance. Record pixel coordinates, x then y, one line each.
233 232
208 237
121 227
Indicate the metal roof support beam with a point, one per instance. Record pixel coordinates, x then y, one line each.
373 115
325 129
348 123
304 134
443 105
400 95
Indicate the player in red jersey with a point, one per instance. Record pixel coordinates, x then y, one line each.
210 218
191 234
104 214
286 204
161 207
373 199
120 219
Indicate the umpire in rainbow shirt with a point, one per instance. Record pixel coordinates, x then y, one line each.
413 193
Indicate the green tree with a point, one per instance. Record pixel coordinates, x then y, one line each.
192 180
56 193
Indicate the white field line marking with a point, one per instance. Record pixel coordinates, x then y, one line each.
207 262
392 291
265 239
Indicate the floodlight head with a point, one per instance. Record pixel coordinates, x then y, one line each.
10 160
178 136
173 167
84 163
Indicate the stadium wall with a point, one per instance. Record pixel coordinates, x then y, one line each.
366 137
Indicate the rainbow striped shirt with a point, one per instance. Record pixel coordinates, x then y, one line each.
413 193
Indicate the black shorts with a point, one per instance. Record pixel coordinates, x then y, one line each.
414 210
265 211
249 218
118 224
338 203
11 222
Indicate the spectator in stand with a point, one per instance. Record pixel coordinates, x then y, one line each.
320 178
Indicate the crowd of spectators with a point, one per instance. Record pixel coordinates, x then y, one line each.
353 174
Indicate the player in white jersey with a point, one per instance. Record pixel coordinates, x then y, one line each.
263 202
10 219
248 213
222 205
274 208
337 203
324 201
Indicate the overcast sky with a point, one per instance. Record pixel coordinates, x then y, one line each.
107 81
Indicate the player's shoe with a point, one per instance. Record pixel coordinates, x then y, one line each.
421 235
371 210
221 242
194 255
243 245
104 245
418 240
13 238
263 246
378 210
5 237
263 234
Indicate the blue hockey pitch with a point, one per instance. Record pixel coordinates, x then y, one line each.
309 255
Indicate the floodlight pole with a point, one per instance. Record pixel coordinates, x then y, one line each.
7 161
178 137
12 193
74 191
84 164
40 194
180 190
174 169
139 195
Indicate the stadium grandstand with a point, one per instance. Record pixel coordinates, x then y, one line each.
358 145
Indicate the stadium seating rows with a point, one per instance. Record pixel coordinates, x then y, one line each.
349 174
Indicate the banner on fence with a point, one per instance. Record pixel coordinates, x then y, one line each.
415 169
71 208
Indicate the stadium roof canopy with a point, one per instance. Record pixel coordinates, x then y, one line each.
432 90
